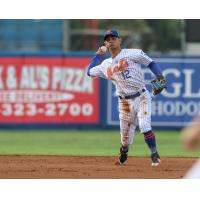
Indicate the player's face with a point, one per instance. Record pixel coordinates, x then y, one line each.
112 42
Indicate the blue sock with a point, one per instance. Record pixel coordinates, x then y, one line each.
150 140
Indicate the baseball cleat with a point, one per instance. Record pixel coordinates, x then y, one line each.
155 159
120 162
123 156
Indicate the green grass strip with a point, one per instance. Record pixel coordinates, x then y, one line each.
82 143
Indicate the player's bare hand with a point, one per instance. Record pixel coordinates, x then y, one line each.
101 50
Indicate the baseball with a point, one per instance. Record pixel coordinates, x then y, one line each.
103 49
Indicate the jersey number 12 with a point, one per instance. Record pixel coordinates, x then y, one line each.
125 74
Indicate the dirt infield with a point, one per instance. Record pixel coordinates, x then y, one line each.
65 167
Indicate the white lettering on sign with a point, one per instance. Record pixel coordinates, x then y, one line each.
176 86
87 109
11 79
175 108
40 77
1 81
34 77
71 79
34 96
188 84
49 109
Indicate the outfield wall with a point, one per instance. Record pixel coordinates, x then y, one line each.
53 91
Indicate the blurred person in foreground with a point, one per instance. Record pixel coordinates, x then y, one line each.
191 141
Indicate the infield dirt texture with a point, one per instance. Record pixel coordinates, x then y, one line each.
88 155
65 167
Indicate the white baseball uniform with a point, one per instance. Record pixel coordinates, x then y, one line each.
124 70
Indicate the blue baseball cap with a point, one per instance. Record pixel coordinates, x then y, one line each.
111 32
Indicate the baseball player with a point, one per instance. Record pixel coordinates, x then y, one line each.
123 68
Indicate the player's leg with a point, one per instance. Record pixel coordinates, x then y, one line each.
127 129
144 121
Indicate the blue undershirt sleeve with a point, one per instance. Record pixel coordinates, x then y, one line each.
96 60
154 67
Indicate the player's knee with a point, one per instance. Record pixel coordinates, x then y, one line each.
144 127
144 124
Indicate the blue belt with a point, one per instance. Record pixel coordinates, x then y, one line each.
133 95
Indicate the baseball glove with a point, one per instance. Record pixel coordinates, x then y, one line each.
158 84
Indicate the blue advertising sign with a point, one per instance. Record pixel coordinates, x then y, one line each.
177 105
